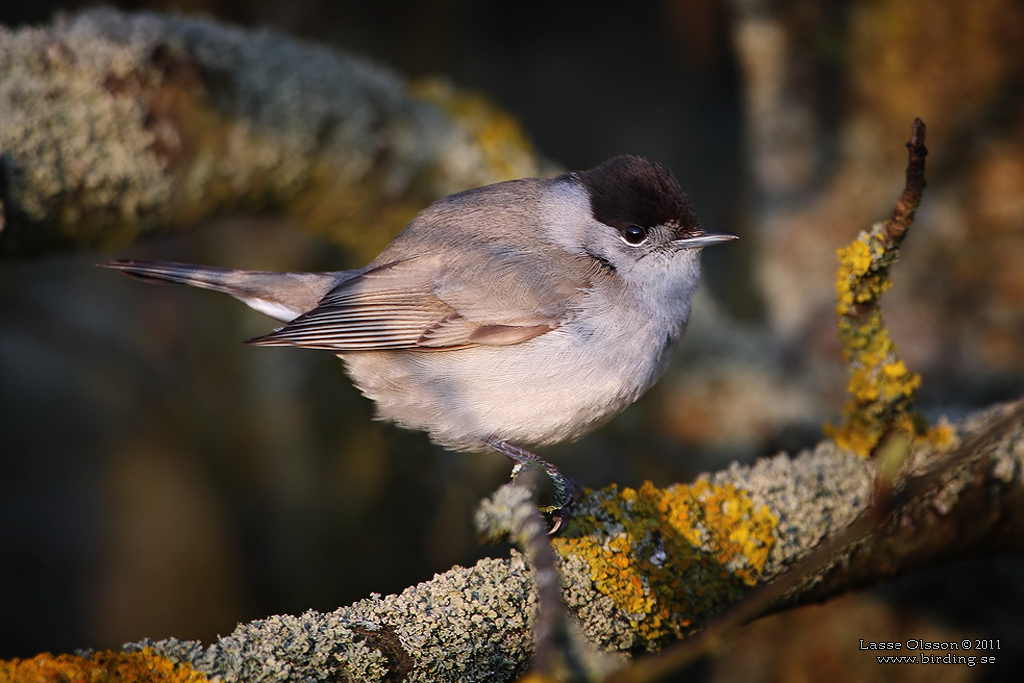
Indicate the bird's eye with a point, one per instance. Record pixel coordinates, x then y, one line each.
634 234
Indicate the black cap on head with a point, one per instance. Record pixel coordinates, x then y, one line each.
629 190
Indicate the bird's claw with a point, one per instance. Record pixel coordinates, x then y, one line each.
567 493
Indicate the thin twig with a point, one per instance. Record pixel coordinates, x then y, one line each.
512 511
906 206
881 386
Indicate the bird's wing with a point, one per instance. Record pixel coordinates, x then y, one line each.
490 297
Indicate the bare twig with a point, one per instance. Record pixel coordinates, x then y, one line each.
896 227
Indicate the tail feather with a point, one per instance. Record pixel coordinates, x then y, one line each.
282 296
180 273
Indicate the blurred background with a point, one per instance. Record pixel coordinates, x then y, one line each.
157 478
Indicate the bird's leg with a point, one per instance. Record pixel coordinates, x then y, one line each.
567 491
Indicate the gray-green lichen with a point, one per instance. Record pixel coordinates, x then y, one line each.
476 624
470 624
115 125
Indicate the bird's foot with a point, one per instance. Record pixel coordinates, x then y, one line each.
567 491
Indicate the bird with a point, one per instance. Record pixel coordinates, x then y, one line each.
515 315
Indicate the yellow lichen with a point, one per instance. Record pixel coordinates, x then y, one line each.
941 435
100 667
881 386
672 556
854 260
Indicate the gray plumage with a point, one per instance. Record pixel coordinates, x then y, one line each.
525 312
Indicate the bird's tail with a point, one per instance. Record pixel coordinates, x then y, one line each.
282 296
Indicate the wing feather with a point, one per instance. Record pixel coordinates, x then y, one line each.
437 302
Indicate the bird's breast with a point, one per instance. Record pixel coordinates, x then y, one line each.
553 388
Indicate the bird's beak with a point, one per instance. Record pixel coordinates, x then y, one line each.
704 239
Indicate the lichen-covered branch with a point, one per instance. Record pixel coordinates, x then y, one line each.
118 125
100 667
881 385
559 652
891 494
641 567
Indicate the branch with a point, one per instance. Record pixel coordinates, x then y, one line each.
560 653
116 126
881 386
477 623
915 490
906 206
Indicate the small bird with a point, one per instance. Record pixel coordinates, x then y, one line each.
524 313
